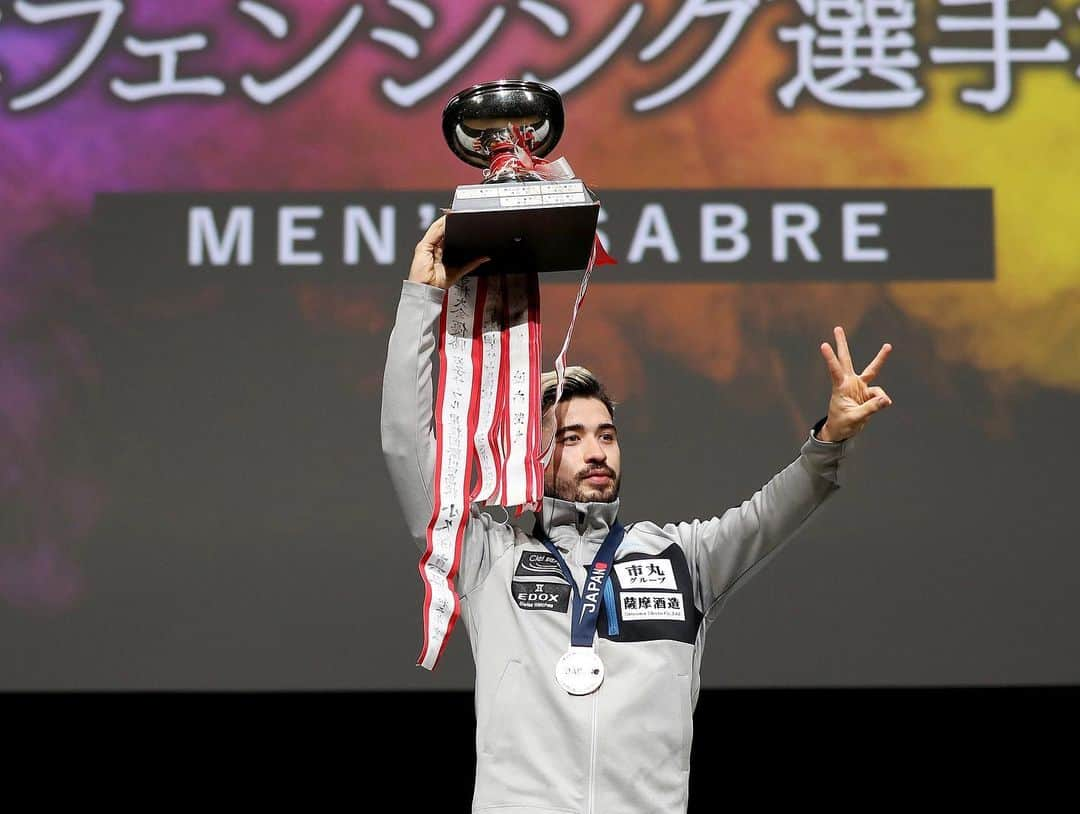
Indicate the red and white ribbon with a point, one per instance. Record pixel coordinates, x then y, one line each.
512 158
456 413
486 439
487 409
519 404
532 456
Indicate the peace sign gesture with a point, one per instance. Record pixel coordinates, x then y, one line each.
853 401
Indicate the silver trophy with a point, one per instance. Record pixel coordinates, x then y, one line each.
529 214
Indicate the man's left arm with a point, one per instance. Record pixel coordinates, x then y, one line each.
725 550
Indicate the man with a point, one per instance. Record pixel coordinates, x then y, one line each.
624 746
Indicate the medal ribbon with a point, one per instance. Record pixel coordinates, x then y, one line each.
587 603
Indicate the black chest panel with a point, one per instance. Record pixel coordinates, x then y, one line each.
647 597
650 597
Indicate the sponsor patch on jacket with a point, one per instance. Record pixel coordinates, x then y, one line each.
641 605
651 599
538 565
551 596
652 574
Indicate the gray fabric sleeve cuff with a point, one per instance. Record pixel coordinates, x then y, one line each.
422 291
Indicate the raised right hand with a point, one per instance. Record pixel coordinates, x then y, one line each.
853 401
427 266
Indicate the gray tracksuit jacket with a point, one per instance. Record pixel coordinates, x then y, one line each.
625 748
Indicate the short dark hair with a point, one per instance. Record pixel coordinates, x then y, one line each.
578 382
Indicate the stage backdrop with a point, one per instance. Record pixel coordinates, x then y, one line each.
208 209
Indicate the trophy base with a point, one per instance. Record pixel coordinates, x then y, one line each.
530 226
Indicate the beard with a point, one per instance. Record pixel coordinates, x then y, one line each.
577 489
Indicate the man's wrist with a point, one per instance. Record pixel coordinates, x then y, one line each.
427 281
821 432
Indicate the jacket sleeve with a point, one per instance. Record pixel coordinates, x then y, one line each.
408 436
724 551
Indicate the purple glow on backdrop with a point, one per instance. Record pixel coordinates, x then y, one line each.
331 133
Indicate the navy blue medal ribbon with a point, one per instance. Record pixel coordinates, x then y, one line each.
587 603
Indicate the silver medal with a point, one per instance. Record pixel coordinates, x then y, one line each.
579 671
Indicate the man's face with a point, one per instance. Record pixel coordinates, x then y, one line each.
585 464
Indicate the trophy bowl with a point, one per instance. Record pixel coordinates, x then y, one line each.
478 120
528 214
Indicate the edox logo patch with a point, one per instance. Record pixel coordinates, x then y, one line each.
551 596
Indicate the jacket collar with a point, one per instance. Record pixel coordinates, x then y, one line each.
564 521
